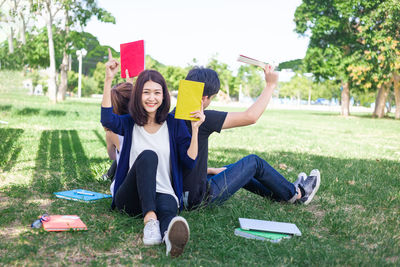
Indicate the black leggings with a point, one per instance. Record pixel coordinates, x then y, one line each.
111 171
137 194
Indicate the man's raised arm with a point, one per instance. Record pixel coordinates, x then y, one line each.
254 112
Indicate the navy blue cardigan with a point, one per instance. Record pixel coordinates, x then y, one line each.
179 142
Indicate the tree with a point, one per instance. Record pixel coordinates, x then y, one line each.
173 75
294 65
95 52
365 37
333 27
250 79
378 63
98 73
224 73
8 16
396 85
298 87
36 50
75 13
50 8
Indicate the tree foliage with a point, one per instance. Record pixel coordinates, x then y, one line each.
250 79
355 41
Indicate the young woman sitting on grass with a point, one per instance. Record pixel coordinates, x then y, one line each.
148 179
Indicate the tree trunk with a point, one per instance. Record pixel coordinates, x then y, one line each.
62 90
396 85
227 92
380 102
52 91
298 98
345 100
23 28
388 102
10 39
309 96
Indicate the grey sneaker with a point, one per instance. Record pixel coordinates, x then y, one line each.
177 236
300 179
151 233
310 186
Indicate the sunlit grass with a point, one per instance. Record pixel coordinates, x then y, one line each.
354 219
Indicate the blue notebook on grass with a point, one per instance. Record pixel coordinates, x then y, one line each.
81 195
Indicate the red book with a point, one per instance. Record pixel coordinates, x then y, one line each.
132 58
63 223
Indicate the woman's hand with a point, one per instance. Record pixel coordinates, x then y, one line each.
111 66
193 148
111 70
198 114
129 79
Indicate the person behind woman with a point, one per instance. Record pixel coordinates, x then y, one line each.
120 96
148 180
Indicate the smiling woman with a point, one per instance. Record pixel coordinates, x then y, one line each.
150 98
156 146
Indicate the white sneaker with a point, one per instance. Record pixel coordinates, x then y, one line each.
177 236
152 233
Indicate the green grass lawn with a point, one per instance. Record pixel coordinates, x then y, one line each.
353 220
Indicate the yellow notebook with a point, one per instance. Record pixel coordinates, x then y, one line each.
189 99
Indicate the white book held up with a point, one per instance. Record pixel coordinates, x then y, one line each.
252 61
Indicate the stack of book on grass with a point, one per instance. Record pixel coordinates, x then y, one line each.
266 230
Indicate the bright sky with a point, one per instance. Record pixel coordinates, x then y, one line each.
176 31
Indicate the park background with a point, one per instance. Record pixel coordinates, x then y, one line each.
339 72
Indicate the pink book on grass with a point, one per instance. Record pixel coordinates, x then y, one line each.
132 58
64 223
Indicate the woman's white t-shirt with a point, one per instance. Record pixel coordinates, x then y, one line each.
159 143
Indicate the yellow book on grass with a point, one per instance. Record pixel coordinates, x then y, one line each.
189 99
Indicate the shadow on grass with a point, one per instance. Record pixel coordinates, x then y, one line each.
27 112
5 107
9 147
60 162
37 111
55 113
348 178
100 137
351 191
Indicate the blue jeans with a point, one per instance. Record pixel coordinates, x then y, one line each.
253 174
